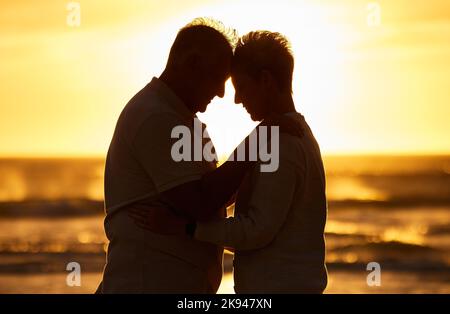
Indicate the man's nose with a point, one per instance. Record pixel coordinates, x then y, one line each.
221 91
237 99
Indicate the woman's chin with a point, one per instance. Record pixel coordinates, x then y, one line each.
255 118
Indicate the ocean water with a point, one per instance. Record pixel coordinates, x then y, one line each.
387 209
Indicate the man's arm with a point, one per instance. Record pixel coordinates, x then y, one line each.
271 199
190 188
200 199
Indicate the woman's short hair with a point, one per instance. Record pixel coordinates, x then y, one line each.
265 50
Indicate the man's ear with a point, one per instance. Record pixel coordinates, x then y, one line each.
193 61
267 80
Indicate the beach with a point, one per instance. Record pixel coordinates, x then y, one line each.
394 211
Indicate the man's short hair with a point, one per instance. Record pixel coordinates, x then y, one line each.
264 50
203 35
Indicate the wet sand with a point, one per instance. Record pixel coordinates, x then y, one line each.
339 282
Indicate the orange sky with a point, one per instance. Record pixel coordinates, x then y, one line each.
363 89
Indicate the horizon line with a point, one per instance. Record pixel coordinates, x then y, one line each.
324 154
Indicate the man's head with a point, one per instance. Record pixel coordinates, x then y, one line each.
261 71
200 61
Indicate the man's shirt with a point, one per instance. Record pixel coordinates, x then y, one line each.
139 167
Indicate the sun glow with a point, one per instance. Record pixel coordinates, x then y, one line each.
362 89
316 69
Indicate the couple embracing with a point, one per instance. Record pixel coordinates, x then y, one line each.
166 217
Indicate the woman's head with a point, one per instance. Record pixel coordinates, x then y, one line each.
262 69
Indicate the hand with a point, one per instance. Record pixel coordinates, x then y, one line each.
286 124
157 219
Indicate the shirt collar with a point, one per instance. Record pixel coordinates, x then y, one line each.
172 99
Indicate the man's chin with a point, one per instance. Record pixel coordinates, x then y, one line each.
202 109
255 117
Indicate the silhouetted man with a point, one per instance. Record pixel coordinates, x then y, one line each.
140 171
